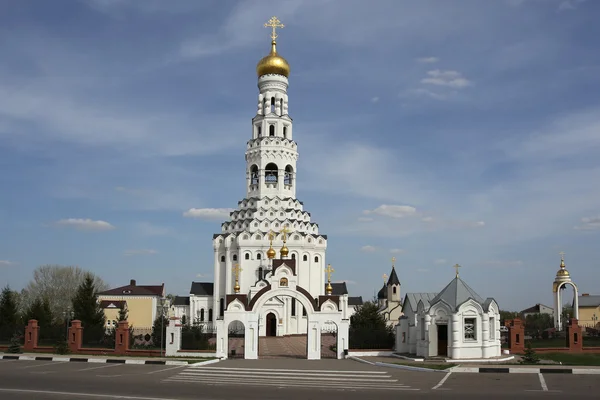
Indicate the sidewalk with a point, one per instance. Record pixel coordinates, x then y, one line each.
103 359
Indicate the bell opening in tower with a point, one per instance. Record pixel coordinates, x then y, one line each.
271 172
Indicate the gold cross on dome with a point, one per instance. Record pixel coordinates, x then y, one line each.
284 230
456 266
393 261
562 255
271 236
329 270
274 23
236 270
385 278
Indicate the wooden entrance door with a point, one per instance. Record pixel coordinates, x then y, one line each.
271 325
442 336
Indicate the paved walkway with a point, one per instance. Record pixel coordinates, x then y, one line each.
293 346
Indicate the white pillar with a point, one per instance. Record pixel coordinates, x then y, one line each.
576 307
251 340
228 285
222 338
427 338
456 327
173 339
485 335
343 337
216 288
314 339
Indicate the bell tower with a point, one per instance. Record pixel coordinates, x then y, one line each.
271 153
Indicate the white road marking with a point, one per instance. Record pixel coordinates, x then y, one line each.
309 378
286 370
442 381
252 372
43 365
543 383
97 395
165 369
103 366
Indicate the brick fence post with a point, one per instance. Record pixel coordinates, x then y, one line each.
516 336
574 338
122 338
32 334
75 336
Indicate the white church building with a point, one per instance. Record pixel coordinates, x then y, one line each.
456 323
256 288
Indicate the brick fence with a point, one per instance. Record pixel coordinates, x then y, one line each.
573 340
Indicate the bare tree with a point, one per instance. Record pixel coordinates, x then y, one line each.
58 284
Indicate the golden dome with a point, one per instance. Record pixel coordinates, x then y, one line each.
271 253
273 64
562 272
284 251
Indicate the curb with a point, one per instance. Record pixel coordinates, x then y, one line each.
99 360
491 370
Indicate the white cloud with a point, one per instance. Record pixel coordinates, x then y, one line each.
208 213
570 5
453 79
392 211
428 93
589 224
440 261
397 251
427 219
374 99
85 224
6 262
368 249
136 252
428 60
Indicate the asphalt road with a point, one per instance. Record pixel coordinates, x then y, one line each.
273 379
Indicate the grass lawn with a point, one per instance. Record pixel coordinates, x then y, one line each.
430 366
573 359
561 342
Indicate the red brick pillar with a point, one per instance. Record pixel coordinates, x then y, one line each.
574 338
122 338
75 336
32 333
516 336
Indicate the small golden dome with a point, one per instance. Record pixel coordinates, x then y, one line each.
271 253
563 272
284 251
273 64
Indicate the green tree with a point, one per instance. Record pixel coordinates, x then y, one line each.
536 324
9 309
40 311
87 309
508 315
123 315
15 345
183 320
369 329
160 325
530 356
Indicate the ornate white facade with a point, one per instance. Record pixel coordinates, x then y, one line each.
270 294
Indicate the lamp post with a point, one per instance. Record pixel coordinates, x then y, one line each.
68 315
162 322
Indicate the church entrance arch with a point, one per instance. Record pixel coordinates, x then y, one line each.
329 335
271 328
236 332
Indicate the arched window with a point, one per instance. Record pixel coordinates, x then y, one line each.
235 257
293 256
289 174
316 258
202 315
271 172
247 256
272 104
210 315
271 130
281 106
283 282
222 258
258 131
305 258
259 256
394 289
221 307
260 273
254 175
285 132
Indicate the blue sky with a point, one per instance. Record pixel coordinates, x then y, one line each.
437 132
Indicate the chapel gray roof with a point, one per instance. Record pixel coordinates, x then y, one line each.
355 301
393 278
382 294
413 299
589 301
202 288
456 293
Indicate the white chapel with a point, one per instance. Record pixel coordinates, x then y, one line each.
269 258
456 323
